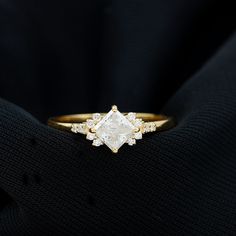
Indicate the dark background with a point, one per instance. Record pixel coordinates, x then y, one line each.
62 57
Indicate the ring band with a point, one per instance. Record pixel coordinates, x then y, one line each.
113 128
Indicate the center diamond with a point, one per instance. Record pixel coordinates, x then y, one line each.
114 129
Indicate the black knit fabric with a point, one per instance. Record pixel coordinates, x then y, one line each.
174 57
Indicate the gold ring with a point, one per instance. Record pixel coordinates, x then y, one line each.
113 128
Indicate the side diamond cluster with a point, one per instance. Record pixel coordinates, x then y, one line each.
149 127
138 124
97 117
85 127
88 128
91 135
79 128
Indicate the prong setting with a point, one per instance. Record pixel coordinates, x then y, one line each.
114 150
114 129
93 130
114 108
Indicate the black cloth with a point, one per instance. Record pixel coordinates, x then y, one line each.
62 57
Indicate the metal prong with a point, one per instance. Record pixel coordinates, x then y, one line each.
114 108
136 129
114 150
93 130
142 129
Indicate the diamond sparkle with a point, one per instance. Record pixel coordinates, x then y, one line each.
114 129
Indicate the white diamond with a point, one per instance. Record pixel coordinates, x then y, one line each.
138 135
90 123
74 128
138 122
114 129
131 141
96 116
149 127
90 136
97 142
131 116
79 128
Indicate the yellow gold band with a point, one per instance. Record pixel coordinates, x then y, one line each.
65 122
113 128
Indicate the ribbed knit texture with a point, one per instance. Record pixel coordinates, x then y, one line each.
177 182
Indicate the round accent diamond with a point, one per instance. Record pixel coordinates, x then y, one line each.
149 127
131 116
91 136
138 135
131 141
138 122
96 116
74 128
90 123
79 128
97 142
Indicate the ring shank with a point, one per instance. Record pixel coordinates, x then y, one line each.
76 118
65 122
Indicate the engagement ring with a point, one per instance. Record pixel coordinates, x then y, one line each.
113 128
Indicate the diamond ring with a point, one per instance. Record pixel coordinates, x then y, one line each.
113 128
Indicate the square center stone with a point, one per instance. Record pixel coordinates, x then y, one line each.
114 129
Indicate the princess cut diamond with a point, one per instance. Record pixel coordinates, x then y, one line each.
114 129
